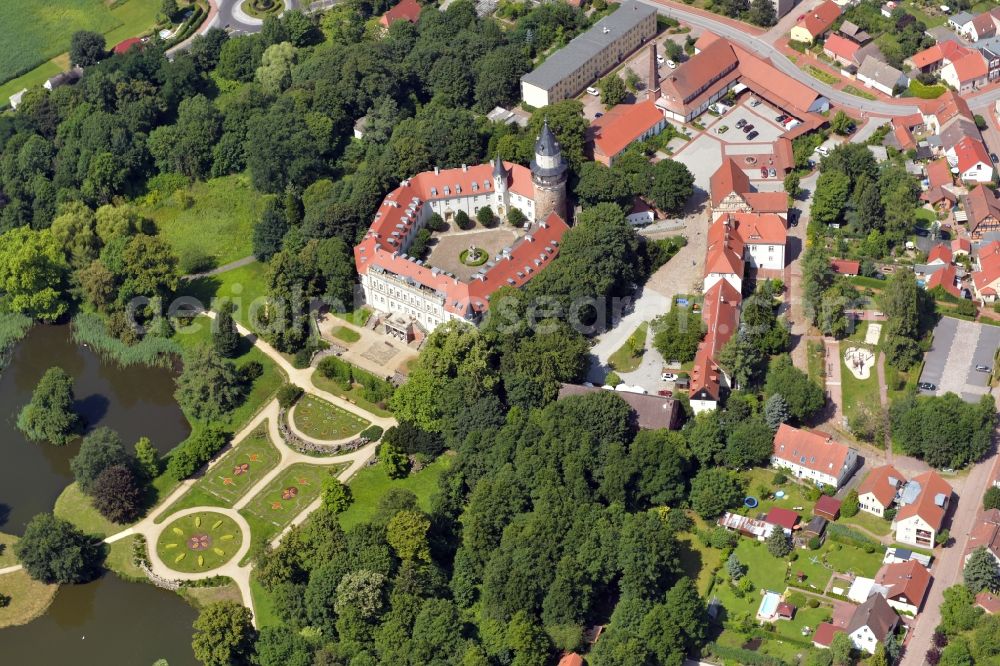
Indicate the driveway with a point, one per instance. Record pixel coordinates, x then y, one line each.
702 156
958 347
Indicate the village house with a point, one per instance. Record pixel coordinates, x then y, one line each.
731 192
652 412
405 10
813 456
906 585
878 491
923 504
967 73
881 76
872 623
969 156
986 277
986 534
815 23
982 209
622 126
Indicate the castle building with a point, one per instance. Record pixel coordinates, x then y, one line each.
411 297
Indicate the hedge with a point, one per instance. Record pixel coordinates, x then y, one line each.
851 537
372 433
742 656
373 389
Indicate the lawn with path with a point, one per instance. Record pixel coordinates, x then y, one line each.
74 506
354 394
321 420
245 287
285 497
857 393
199 542
371 483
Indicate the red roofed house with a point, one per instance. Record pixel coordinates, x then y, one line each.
989 602
704 40
982 207
906 585
624 125
986 534
845 266
571 659
980 27
939 183
944 278
940 254
841 49
923 503
827 507
878 491
814 23
411 295
973 162
126 44
986 280
731 192
961 246
721 314
937 113
937 56
969 72
824 635
405 10
786 519
813 456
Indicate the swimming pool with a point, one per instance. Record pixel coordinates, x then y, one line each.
769 605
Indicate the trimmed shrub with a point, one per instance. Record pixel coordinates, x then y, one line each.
288 395
195 452
339 371
372 433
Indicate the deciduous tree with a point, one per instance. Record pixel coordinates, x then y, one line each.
49 416
99 450
53 551
224 635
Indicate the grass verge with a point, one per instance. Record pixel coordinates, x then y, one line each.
858 92
628 357
821 74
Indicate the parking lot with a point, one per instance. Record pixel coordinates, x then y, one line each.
761 117
958 347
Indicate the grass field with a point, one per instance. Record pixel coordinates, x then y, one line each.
368 486
227 481
119 560
74 506
857 393
263 604
869 522
357 317
28 598
245 286
219 224
199 542
330 386
285 497
36 32
628 357
348 335
821 74
319 419
7 557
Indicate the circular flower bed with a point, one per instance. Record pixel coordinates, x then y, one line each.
263 8
199 542
474 256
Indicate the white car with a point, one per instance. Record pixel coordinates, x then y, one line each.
593 91
754 101
822 151
660 59
669 376
671 64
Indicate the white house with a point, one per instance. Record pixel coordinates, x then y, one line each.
872 623
764 237
878 491
881 76
905 585
813 456
969 156
923 504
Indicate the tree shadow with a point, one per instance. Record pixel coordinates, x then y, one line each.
92 409
4 514
203 289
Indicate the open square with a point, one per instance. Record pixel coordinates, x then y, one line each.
448 246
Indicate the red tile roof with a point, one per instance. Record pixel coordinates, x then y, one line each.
827 505
756 228
825 633
124 45
622 125
406 10
939 173
932 487
571 659
402 207
841 47
946 107
989 265
767 202
971 67
940 52
845 266
907 581
983 23
989 602
944 278
819 20
704 40
941 251
786 610
970 152
882 482
811 450
982 204
728 178
961 245
781 517
721 315
986 534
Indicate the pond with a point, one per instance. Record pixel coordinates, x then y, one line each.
108 621
136 402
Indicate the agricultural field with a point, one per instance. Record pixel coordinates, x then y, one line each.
36 32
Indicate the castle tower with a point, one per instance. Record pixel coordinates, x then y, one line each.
501 191
548 173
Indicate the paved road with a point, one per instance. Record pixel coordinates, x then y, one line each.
778 59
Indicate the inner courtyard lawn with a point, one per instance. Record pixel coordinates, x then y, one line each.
199 542
235 473
285 497
319 419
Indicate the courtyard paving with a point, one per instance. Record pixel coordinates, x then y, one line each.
447 247
958 347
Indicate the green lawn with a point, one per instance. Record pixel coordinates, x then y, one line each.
228 481
285 497
869 522
119 560
357 317
821 74
348 335
628 357
199 542
857 393
246 287
320 419
74 506
368 486
354 395
29 599
858 92
699 562
7 557
36 77
263 604
219 224
816 358
918 89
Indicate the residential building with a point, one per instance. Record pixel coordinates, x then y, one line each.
960 247
412 297
721 315
960 21
938 113
622 126
973 162
947 279
405 10
990 50
881 76
872 623
906 585
724 257
986 534
854 33
653 412
923 504
815 23
940 254
968 73
980 27
878 491
763 236
939 184
565 73
845 266
571 659
813 456
841 49
989 602
641 213
986 278
982 210
786 519
731 192
935 57
824 634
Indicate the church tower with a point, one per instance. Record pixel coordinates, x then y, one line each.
501 181
548 173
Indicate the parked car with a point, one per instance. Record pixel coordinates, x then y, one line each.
722 129
671 64
822 151
740 123
993 156
660 59
747 128
666 393
593 91
983 368
754 101
763 172
773 173
669 376
598 114
926 386
781 119
753 135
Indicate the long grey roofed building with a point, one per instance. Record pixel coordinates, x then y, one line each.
575 66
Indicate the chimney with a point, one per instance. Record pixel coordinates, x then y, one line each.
437 171
654 73
465 168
